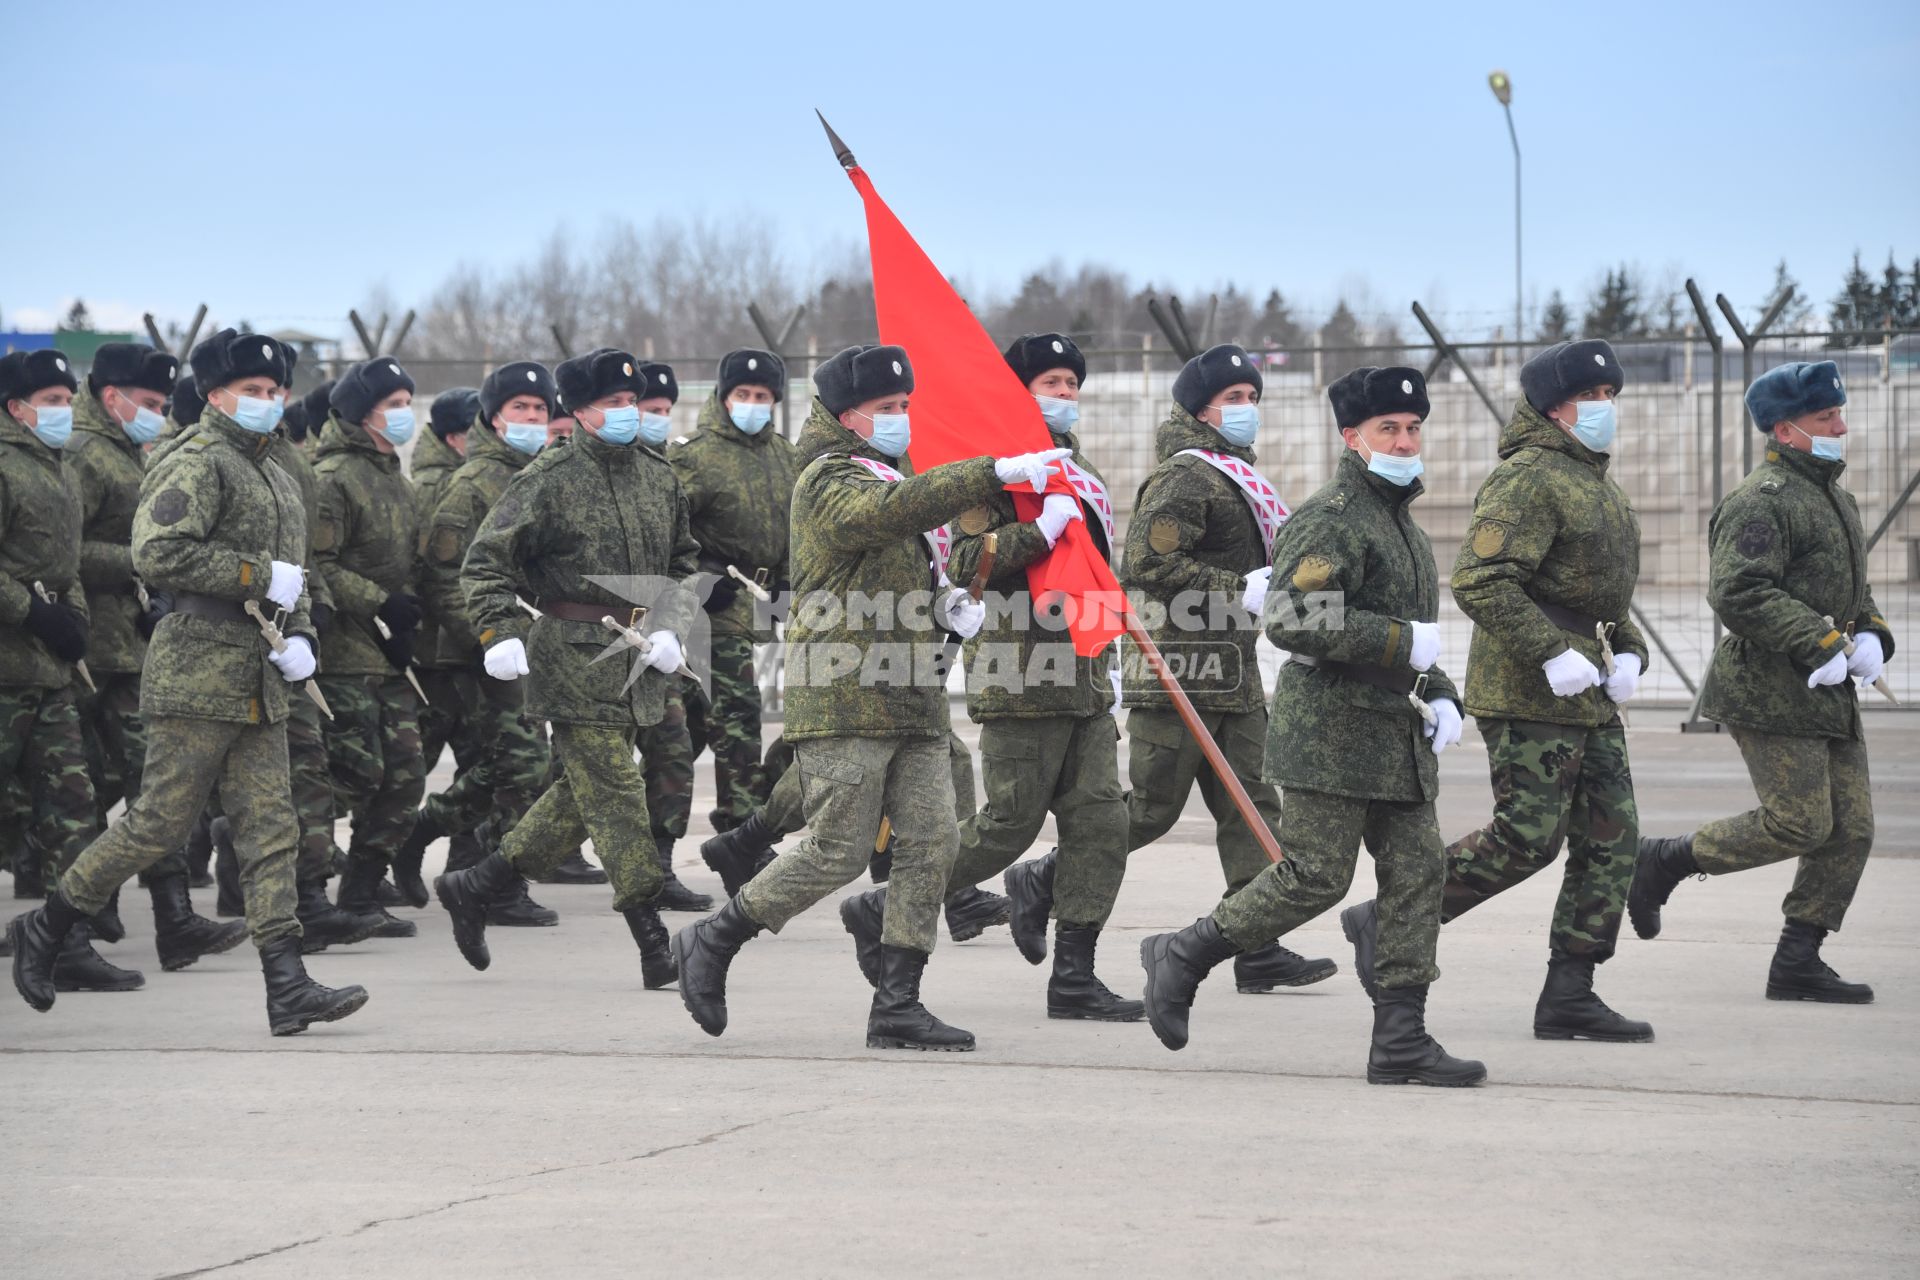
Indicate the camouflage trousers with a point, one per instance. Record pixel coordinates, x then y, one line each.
1066 765
373 755
1816 804
600 795
847 785
1324 835
186 759
42 748
1554 784
667 753
311 784
116 741
1164 762
500 756
728 724
785 814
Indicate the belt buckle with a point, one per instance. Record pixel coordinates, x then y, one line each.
635 616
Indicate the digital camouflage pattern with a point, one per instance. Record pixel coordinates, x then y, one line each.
1788 553
1554 784
580 509
104 469
1816 804
599 795
373 755
310 781
363 544
449 528
728 724
740 500
1549 525
39 542
41 750
297 461
1355 538
115 739
429 469
1163 764
785 813
501 754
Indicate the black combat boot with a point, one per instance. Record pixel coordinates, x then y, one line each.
79 967
1569 1010
1403 1052
971 912
735 855
702 951
324 925
295 1001
515 908
106 923
1175 964
1074 991
1258 972
37 937
359 893
1662 863
675 896
1029 887
465 895
575 869
180 936
897 1019
1361 923
656 949
199 850
226 870
1798 972
863 915
464 851
27 880
408 857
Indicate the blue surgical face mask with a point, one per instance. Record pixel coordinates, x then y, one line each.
751 418
1394 469
399 425
145 427
256 415
1827 448
1597 425
53 423
528 437
654 428
891 433
1239 423
1060 414
620 426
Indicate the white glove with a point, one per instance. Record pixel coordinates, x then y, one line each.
506 660
663 652
1034 468
1570 673
1832 671
284 587
1625 680
1867 661
1253 597
1445 729
1056 513
963 613
295 661
1426 645
1113 678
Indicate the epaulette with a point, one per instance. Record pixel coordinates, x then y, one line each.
681 439
200 440
1337 500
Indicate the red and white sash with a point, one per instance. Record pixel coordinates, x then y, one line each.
1093 493
939 539
1262 499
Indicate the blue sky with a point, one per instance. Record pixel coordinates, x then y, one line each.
278 160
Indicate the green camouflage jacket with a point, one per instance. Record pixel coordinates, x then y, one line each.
449 530
740 492
105 469
586 509
1189 547
1548 526
363 544
39 542
854 534
1018 669
1788 553
430 468
294 460
1350 570
215 512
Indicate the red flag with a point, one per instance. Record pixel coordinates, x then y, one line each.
966 402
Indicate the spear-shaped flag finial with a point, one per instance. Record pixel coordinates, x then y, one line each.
841 151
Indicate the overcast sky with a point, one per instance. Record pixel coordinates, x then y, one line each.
277 161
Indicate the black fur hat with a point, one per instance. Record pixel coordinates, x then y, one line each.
1033 354
658 380
1565 369
24 372
1369 392
1211 372
366 385
132 364
453 411
318 404
859 374
187 403
587 378
749 367
1794 390
293 420
521 378
229 356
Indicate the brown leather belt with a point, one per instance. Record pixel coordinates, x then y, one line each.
573 611
1569 620
1379 677
212 608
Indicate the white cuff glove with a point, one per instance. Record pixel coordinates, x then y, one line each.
964 615
506 660
1625 680
296 661
1867 661
663 652
1056 513
1426 645
1034 468
1113 678
284 587
1445 729
1832 671
1569 673
1253 597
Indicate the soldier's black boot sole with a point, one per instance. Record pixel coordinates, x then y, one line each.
1361 923
464 895
294 1000
971 912
181 937
1029 887
78 967
897 1019
703 952
1075 992
1176 964
1568 1009
1403 1052
1798 972
37 937
864 915
1273 966
1659 865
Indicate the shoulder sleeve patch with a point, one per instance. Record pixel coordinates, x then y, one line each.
1756 538
1163 535
1489 539
1313 573
974 521
170 507
326 532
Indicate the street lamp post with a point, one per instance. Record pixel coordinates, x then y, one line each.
1503 90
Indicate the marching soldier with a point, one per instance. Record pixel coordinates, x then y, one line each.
1361 714
866 696
220 528
1547 575
1789 580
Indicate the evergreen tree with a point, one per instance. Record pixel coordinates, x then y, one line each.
1556 322
1614 309
1794 316
1277 327
79 319
1853 310
1339 335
